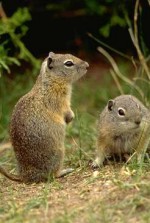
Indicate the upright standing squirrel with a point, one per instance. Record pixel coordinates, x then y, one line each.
120 126
39 119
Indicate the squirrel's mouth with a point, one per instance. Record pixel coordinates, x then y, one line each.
136 128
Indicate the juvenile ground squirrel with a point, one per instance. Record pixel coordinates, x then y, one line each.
120 126
39 119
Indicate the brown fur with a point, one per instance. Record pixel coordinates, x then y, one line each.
39 120
120 134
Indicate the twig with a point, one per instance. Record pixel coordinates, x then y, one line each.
2 12
148 58
144 138
143 143
117 71
141 79
110 48
131 157
116 81
4 146
134 38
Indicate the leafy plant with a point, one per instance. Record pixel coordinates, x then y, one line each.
12 49
109 12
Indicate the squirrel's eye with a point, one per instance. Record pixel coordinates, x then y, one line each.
68 63
121 111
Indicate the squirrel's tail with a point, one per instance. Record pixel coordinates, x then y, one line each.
9 175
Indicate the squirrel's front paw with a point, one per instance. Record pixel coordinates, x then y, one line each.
97 163
94 165
69 116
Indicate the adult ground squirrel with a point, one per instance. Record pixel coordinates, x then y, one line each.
39 119
120 126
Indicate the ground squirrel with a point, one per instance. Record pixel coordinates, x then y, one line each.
38 122
120 126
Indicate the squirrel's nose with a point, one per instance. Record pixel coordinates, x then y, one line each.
86 64
138 121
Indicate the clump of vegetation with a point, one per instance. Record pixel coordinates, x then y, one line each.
11 31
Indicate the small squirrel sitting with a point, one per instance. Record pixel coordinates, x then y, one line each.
120 126
39 119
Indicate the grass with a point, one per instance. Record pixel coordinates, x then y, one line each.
116 193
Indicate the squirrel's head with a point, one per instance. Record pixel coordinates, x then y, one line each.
64 66
126 112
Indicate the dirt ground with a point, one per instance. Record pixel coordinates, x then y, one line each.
113 194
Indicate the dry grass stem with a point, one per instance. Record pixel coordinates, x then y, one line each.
118 73
116 81
134 38
144 139
2 12
111 48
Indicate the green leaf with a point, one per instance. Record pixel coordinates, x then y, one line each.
105 30
4 65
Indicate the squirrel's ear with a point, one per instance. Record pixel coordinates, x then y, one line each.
49 61
51 54
110 104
